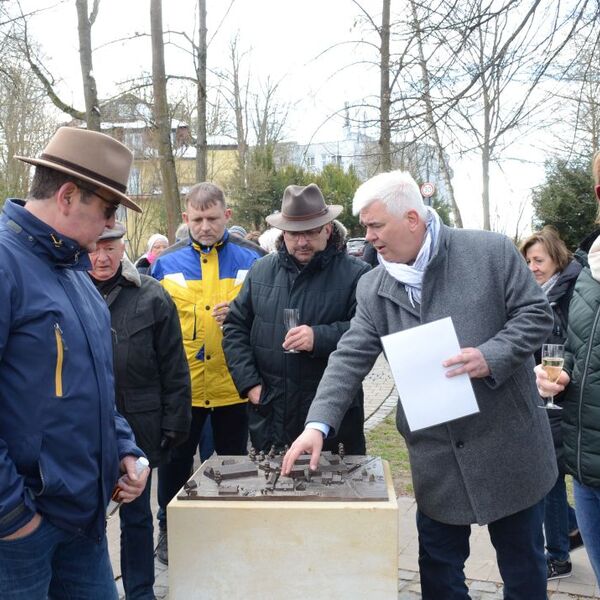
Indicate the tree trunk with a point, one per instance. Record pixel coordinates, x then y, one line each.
201 141
90 93
170 189
384 108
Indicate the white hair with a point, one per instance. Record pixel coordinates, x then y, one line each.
397 190
268 240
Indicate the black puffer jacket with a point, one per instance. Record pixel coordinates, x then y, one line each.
151 372
559 298
324 292
581 414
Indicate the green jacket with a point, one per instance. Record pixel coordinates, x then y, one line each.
581 414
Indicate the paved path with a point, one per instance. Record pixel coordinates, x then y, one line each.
481 571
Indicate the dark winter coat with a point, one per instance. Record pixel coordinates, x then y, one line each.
142 264
324 292
152 377
559 298
581 414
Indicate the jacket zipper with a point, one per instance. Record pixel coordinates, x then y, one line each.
60 355
581 388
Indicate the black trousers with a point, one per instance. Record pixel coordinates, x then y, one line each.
230 434
519 543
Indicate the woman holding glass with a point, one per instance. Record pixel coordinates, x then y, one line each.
580 381
556 272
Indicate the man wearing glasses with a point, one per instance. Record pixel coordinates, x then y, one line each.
62 444
279 370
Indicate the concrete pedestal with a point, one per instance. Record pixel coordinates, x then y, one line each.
284 550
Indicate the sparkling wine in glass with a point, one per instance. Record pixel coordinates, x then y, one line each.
291 319
553 359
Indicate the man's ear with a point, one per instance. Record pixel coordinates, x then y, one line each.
228 214
64 196
413 219
597 190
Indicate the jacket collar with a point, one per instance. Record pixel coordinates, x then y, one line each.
565 280
44 241
129 273
207 249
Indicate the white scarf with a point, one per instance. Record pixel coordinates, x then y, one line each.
412 275
594 259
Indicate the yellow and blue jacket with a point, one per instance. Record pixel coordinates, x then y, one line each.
198 277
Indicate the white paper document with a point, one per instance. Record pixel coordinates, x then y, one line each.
428 397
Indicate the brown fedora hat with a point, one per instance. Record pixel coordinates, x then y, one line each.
90 156
303 208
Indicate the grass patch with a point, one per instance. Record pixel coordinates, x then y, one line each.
385 441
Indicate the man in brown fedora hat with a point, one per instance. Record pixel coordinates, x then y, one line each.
63 446
279 370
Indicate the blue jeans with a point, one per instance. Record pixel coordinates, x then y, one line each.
230 435
519 543
559 520
137 546
55 564
587 507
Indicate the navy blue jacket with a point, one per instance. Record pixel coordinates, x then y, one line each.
61 438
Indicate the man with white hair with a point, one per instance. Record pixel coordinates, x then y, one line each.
493 467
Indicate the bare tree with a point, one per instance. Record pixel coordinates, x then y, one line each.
170 188
430 120
200 60
90 92
85 20
25 124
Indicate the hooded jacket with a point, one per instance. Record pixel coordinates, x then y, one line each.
197 278
61 438
151 372
324 292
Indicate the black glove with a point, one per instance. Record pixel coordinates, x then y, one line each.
171 439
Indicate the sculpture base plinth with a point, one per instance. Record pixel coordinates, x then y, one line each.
284 549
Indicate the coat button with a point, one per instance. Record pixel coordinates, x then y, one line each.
207 307
460 445
208 357
207 402
205 260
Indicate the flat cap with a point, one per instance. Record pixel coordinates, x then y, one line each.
116 232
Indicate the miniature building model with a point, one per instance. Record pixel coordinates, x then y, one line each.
331 533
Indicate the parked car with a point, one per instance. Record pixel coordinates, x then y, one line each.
356 246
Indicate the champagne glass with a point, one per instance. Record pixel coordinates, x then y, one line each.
553 358
291 319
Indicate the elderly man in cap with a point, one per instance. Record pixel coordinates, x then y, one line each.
152 384
63 446
493 467
279 370
203 274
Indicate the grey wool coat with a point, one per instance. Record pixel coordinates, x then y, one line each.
486 466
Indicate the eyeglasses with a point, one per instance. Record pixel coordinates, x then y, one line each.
110 210
311 234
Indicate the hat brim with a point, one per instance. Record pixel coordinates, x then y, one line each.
279 221
120 197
